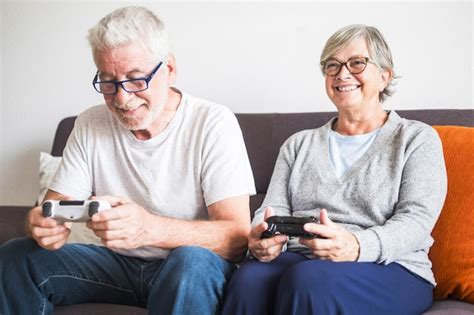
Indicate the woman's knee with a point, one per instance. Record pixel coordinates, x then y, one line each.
316 277
248 277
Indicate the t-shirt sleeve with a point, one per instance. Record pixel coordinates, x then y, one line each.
73 177
226 170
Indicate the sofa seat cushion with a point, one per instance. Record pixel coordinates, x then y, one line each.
99 309
12 222
450 307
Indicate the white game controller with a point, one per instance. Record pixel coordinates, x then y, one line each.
73 210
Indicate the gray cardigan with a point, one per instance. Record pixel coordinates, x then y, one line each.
389 199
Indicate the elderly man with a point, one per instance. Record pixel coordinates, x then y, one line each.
175 171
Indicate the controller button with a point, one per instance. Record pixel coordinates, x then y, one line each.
93 208
47 209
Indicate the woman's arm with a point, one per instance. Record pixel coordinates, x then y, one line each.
422 193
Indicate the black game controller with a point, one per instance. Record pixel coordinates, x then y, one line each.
73 210
291 226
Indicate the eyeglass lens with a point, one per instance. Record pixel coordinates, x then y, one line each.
354 65
129 86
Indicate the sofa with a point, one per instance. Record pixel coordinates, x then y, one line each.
263 134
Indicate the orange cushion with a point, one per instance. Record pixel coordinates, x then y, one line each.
452 254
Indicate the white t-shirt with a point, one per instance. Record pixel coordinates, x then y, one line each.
200 158
344 151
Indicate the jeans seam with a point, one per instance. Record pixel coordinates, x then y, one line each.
82 279
141 283
43 306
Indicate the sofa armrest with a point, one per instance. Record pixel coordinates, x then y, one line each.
12 222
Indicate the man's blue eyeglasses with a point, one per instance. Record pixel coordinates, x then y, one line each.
131 86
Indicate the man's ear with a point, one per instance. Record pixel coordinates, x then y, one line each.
172 70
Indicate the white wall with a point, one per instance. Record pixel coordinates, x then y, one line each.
250 56
2 123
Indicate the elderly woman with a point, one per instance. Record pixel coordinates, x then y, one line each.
376 184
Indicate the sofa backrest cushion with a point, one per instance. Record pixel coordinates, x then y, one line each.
265 133
452 254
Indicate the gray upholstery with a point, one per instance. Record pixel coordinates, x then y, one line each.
263 135
450 307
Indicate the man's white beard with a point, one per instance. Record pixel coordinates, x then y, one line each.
131 123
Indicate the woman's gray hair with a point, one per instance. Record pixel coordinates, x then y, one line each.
129 24
379 52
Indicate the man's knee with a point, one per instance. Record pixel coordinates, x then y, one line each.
196 259
188 270
191 253
16 250
196 264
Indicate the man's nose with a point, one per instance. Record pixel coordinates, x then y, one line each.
122 96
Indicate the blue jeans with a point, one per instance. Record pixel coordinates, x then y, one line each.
294 284
191 280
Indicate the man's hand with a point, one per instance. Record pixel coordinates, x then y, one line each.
47 232
124 226
266 249
336 243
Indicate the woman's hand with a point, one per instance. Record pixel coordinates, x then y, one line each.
333 242
266 249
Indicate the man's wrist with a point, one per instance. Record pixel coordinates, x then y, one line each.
152 229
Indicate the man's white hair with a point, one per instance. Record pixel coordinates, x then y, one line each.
127 25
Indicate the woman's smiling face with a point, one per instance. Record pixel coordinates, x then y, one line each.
347 90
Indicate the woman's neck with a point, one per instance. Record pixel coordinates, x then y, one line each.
360 122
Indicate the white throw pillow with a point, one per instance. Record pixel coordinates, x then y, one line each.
48 165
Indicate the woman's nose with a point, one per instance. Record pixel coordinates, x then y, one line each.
344 73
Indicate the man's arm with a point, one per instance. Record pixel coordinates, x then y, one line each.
46 231
128 225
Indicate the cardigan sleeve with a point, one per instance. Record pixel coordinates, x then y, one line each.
421 196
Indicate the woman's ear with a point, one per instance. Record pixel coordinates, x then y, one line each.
385 78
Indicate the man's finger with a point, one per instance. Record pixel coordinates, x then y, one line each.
110 235
50 240
106 225
37 219
115 213
46 232
113 200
